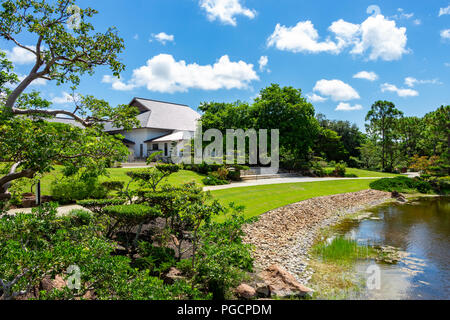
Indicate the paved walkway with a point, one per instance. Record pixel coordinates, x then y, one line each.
261 182
62 210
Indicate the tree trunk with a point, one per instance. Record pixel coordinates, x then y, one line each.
5 181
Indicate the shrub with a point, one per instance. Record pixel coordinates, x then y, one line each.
156 259
71 189
234 175
340 169
401 184
80 217
223 257
133 214
97 205
212 180
113 185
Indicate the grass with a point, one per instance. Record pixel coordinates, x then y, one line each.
341 251
333 264
119 174
263 198
360 173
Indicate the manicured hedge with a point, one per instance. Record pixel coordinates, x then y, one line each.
401 184
97 205
133 214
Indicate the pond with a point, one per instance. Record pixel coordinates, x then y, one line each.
420 229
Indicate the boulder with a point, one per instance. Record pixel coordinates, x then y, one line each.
48 284
262 290
173 275
244 291
283 284
398 196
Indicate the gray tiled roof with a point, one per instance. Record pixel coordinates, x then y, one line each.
164 115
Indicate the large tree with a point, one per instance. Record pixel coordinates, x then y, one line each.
350 137
276 107
383 120
285 108
65 47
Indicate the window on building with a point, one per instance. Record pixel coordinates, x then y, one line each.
155 146
166 149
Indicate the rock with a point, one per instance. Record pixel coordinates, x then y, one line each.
48 284
283 284
173 275
262 290
244 291
398 196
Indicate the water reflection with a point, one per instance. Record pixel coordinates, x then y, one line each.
421 229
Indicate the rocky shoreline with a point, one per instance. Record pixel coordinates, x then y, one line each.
284 236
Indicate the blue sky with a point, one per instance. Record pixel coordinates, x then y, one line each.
342 55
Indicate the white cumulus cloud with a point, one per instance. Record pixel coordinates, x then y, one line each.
225 10
445 34
63 99
20 55
411 82
336 90
315 98
263 61
377 36
303 37
163 37
347 107
444 11
367 75
399 91
117 84
163 73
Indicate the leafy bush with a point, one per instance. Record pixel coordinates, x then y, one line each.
340 169
212 180
133 214
223 257
80 217
71 189
401 184
234 175
97 205
37 245
113 185
156 259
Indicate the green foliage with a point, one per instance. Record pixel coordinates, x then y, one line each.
39 244
80 217
212 180
401 184
223 257
340 169
341 250
351 139
68 190
113 185
29 137
97 205
383 120
156 259
276 107
132 214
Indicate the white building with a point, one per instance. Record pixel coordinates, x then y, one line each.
163 126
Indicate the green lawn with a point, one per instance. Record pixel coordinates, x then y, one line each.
366 173
260 199
119 174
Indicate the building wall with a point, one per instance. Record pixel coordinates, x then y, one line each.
138 136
